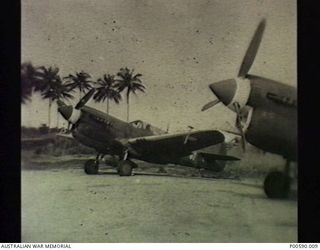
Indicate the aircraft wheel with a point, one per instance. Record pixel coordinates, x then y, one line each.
91 167
125 168
277 185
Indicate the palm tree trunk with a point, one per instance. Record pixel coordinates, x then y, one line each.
128 93
49 113
108 106
57 119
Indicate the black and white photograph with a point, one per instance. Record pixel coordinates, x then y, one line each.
159 121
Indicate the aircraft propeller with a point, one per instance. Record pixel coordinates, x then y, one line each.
227 91
234 93
72 114
85 99
210 104
252 50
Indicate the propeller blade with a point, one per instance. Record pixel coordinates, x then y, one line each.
210 105
73 126
85 99
240 128
243 139
60 103
252 50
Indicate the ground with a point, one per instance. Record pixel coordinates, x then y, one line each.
62 204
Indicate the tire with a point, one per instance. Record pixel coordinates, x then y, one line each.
91 167
277 185
125 168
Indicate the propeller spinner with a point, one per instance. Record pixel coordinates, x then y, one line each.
72 115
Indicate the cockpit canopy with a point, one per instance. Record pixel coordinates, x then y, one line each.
140 124
143 125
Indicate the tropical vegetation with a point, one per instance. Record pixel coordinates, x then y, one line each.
106 90
50 85
28 81
130 83
53 87
80 80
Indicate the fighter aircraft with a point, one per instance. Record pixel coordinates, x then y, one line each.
266 114
137 140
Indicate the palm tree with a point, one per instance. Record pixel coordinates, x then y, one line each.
57 91
106 90
80 80
129 82
49 84
45 77
28 80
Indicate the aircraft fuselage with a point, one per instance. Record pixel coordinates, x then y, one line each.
99 130
273 126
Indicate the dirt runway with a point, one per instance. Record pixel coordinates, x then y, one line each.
65 205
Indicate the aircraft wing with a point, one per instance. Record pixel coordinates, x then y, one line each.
175 145
219 157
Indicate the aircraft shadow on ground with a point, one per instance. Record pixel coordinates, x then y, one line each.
292 195
168 175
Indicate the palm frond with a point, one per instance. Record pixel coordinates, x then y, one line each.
80 80
107 89
29 80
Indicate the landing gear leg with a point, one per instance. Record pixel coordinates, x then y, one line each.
277 184
92 166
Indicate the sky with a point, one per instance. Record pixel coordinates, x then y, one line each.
179 46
